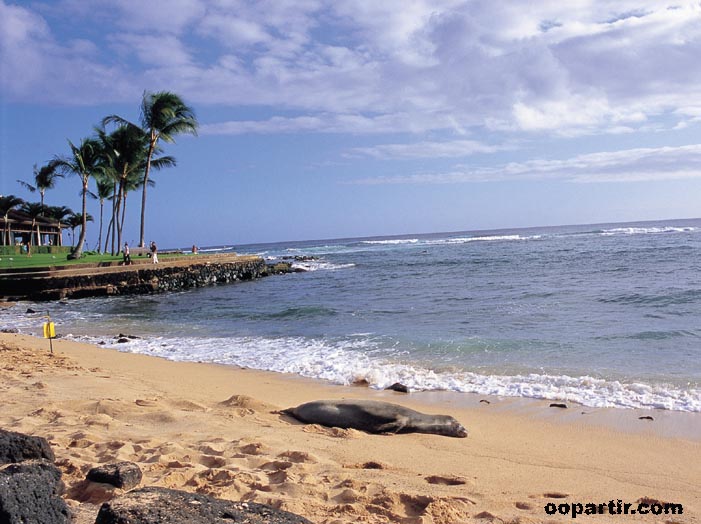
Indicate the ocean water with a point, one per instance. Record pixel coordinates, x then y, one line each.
604 315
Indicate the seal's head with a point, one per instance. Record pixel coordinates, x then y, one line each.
450 427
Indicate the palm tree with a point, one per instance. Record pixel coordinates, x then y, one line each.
7 204
124 153
163 115
84 162
44 178
57 212
104 191
124 161
33 210
78 220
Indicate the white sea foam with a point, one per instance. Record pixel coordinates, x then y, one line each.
352 360
392 242
316 265
488 238
452 240
647 230
215 249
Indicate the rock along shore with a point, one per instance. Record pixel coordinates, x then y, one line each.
141 278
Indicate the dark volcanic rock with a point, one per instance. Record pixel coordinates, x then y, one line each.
147 279
124 475
17 447
154 505
400 388
30 492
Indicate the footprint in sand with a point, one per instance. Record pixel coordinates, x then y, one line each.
348 496
211 461
276 465
367 465
298 457
277 471
80 443
113 408
146 403
333 432
446 481
353 485
162 417
246 404
209 449
186 405
523 505
449 509
486 515
102 420
254 448
555 495
650 501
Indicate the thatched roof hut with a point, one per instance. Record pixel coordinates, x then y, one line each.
20 228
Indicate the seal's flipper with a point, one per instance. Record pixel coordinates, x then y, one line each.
393 427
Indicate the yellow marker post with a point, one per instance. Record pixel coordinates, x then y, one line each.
50 332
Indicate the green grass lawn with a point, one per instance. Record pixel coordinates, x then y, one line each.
45 259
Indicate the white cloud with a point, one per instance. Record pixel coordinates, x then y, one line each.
447 149
31 59
571 68
153 50
631 165
154 16
24 37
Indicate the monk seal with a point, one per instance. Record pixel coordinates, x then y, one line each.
375 417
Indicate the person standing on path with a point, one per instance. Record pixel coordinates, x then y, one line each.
154 252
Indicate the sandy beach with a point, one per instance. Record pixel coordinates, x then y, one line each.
215 430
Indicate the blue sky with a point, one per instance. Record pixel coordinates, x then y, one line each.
322 119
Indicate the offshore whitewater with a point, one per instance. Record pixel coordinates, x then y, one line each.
605 315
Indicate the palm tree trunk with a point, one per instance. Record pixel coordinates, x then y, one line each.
147 171
115 210
117 223
124 212
99 237
78 251
110 235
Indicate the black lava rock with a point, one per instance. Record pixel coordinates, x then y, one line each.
31 492
17 447
153 505
124 475
401 388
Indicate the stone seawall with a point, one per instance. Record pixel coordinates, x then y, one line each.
138 279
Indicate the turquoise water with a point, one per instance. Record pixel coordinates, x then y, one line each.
605 315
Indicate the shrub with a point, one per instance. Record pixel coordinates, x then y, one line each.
9 250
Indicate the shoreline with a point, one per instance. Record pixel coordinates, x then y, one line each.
212 428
